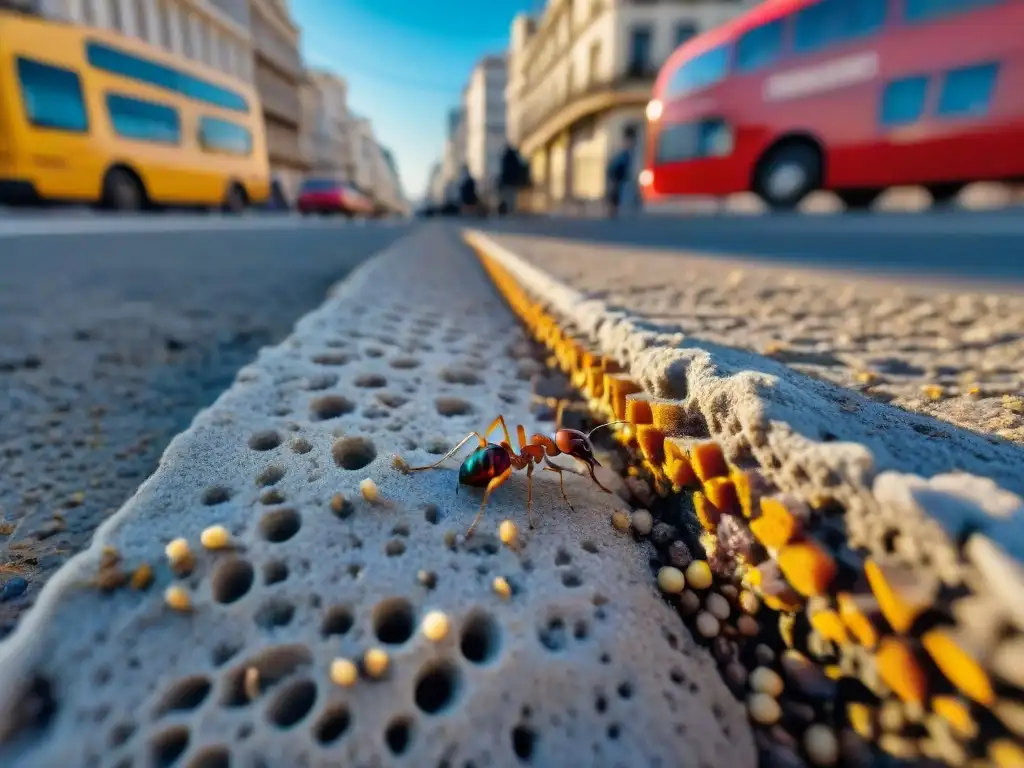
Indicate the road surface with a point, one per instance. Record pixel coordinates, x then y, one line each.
113 333
985 246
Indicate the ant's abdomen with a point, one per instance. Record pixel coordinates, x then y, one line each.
483 465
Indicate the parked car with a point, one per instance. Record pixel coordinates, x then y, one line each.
332 197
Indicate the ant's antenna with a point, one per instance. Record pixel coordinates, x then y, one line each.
602 426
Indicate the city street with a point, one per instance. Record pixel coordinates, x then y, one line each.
114 332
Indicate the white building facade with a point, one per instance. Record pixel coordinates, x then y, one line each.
326 125
581 72
484 111
217 33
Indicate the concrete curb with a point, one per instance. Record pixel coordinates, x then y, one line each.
240 655
903 570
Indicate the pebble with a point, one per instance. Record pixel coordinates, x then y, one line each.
748 626
679 555
763 709
642 521
663 534
707 625
698 575
671 580
765 680
821 745
717 606
689 603
376 662
620 520
435 626
12 588
344 672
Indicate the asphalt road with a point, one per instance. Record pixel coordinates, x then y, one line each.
113 334
983 246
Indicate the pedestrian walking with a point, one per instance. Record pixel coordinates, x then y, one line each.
621 172
514 175
468 195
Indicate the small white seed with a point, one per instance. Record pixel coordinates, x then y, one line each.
763 709
698 574
620 520
501 586
642 521
178 551
178 599
822 745
717 606
508 532
344 672
671 580
368 489
435 626
766 680
376 662
215 537
707 625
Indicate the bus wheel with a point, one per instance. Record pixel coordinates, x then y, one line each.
234 200
122 191
787 174
858 199
944 194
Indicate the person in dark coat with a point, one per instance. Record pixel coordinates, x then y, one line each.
514 175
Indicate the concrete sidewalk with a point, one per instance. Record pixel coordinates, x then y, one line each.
558 652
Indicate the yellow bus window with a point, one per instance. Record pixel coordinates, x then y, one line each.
52 97
144 120
224 137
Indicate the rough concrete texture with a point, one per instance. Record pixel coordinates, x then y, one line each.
582 665
948 350
109 343
809 437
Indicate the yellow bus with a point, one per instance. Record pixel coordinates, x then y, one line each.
91 116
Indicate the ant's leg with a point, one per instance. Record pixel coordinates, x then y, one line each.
500 422
452 452
551 467
529 493
495 483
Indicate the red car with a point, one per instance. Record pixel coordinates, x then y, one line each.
329 196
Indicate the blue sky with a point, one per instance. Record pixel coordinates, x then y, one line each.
406 62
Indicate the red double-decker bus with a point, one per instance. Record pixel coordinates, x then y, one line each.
852 96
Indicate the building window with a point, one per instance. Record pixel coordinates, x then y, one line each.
760 47
164 15
223 137
967 92
594 69
52 97
144 120
903 101
684 31
640 50
117 20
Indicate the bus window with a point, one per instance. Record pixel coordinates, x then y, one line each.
759 47
967 92
144 120
147 71
52 96
903 101
833 22
223 137
700 72
689 141
919 11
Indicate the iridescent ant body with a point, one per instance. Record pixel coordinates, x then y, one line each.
491 464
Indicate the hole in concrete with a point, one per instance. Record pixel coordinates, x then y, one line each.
211 757
269 476
398 735
394 548
292 703
405 363
185 695
321 381
625 690
370 381
580 630
167 746
437 687
552 634
373 352
120 734
453 406
223 653
332 724
459 376
330 407
332 358
400 529
436 446
391 401
231 579
280 525
215 494
337 621
353 452
394 620
265 441
524 741
481 638
274 572
431 513
272 665
272 496
301 445
589 546
571 579
562 557
276 612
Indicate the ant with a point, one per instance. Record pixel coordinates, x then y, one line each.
491 464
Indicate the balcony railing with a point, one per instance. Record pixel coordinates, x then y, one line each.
280 97
634 80
277 52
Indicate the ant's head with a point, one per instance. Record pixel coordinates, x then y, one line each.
574 443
